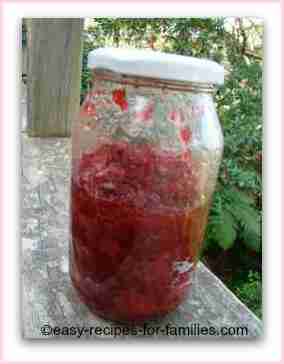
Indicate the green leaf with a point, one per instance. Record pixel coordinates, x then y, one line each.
251 240
225 232
248 218
251 234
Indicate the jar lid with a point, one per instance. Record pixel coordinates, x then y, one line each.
154 64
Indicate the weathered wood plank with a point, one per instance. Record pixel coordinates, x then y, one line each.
54 72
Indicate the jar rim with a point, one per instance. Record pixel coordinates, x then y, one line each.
141 81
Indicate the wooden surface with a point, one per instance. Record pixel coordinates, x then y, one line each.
48 296
53 75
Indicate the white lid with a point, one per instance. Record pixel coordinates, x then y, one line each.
148 63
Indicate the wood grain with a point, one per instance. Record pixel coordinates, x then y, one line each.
54 72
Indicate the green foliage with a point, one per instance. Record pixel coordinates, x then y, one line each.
224 229
235 216
249 291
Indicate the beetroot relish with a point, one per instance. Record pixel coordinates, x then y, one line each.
132 230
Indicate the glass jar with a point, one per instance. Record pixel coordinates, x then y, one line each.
146 153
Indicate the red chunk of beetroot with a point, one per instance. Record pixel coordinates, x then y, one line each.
119 97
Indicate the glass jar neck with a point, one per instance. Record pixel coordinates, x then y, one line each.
138 81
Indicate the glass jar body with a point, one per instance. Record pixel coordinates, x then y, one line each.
144 167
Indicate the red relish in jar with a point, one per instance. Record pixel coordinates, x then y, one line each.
135 236
145 157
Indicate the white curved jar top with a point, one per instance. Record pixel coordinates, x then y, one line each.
154 64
